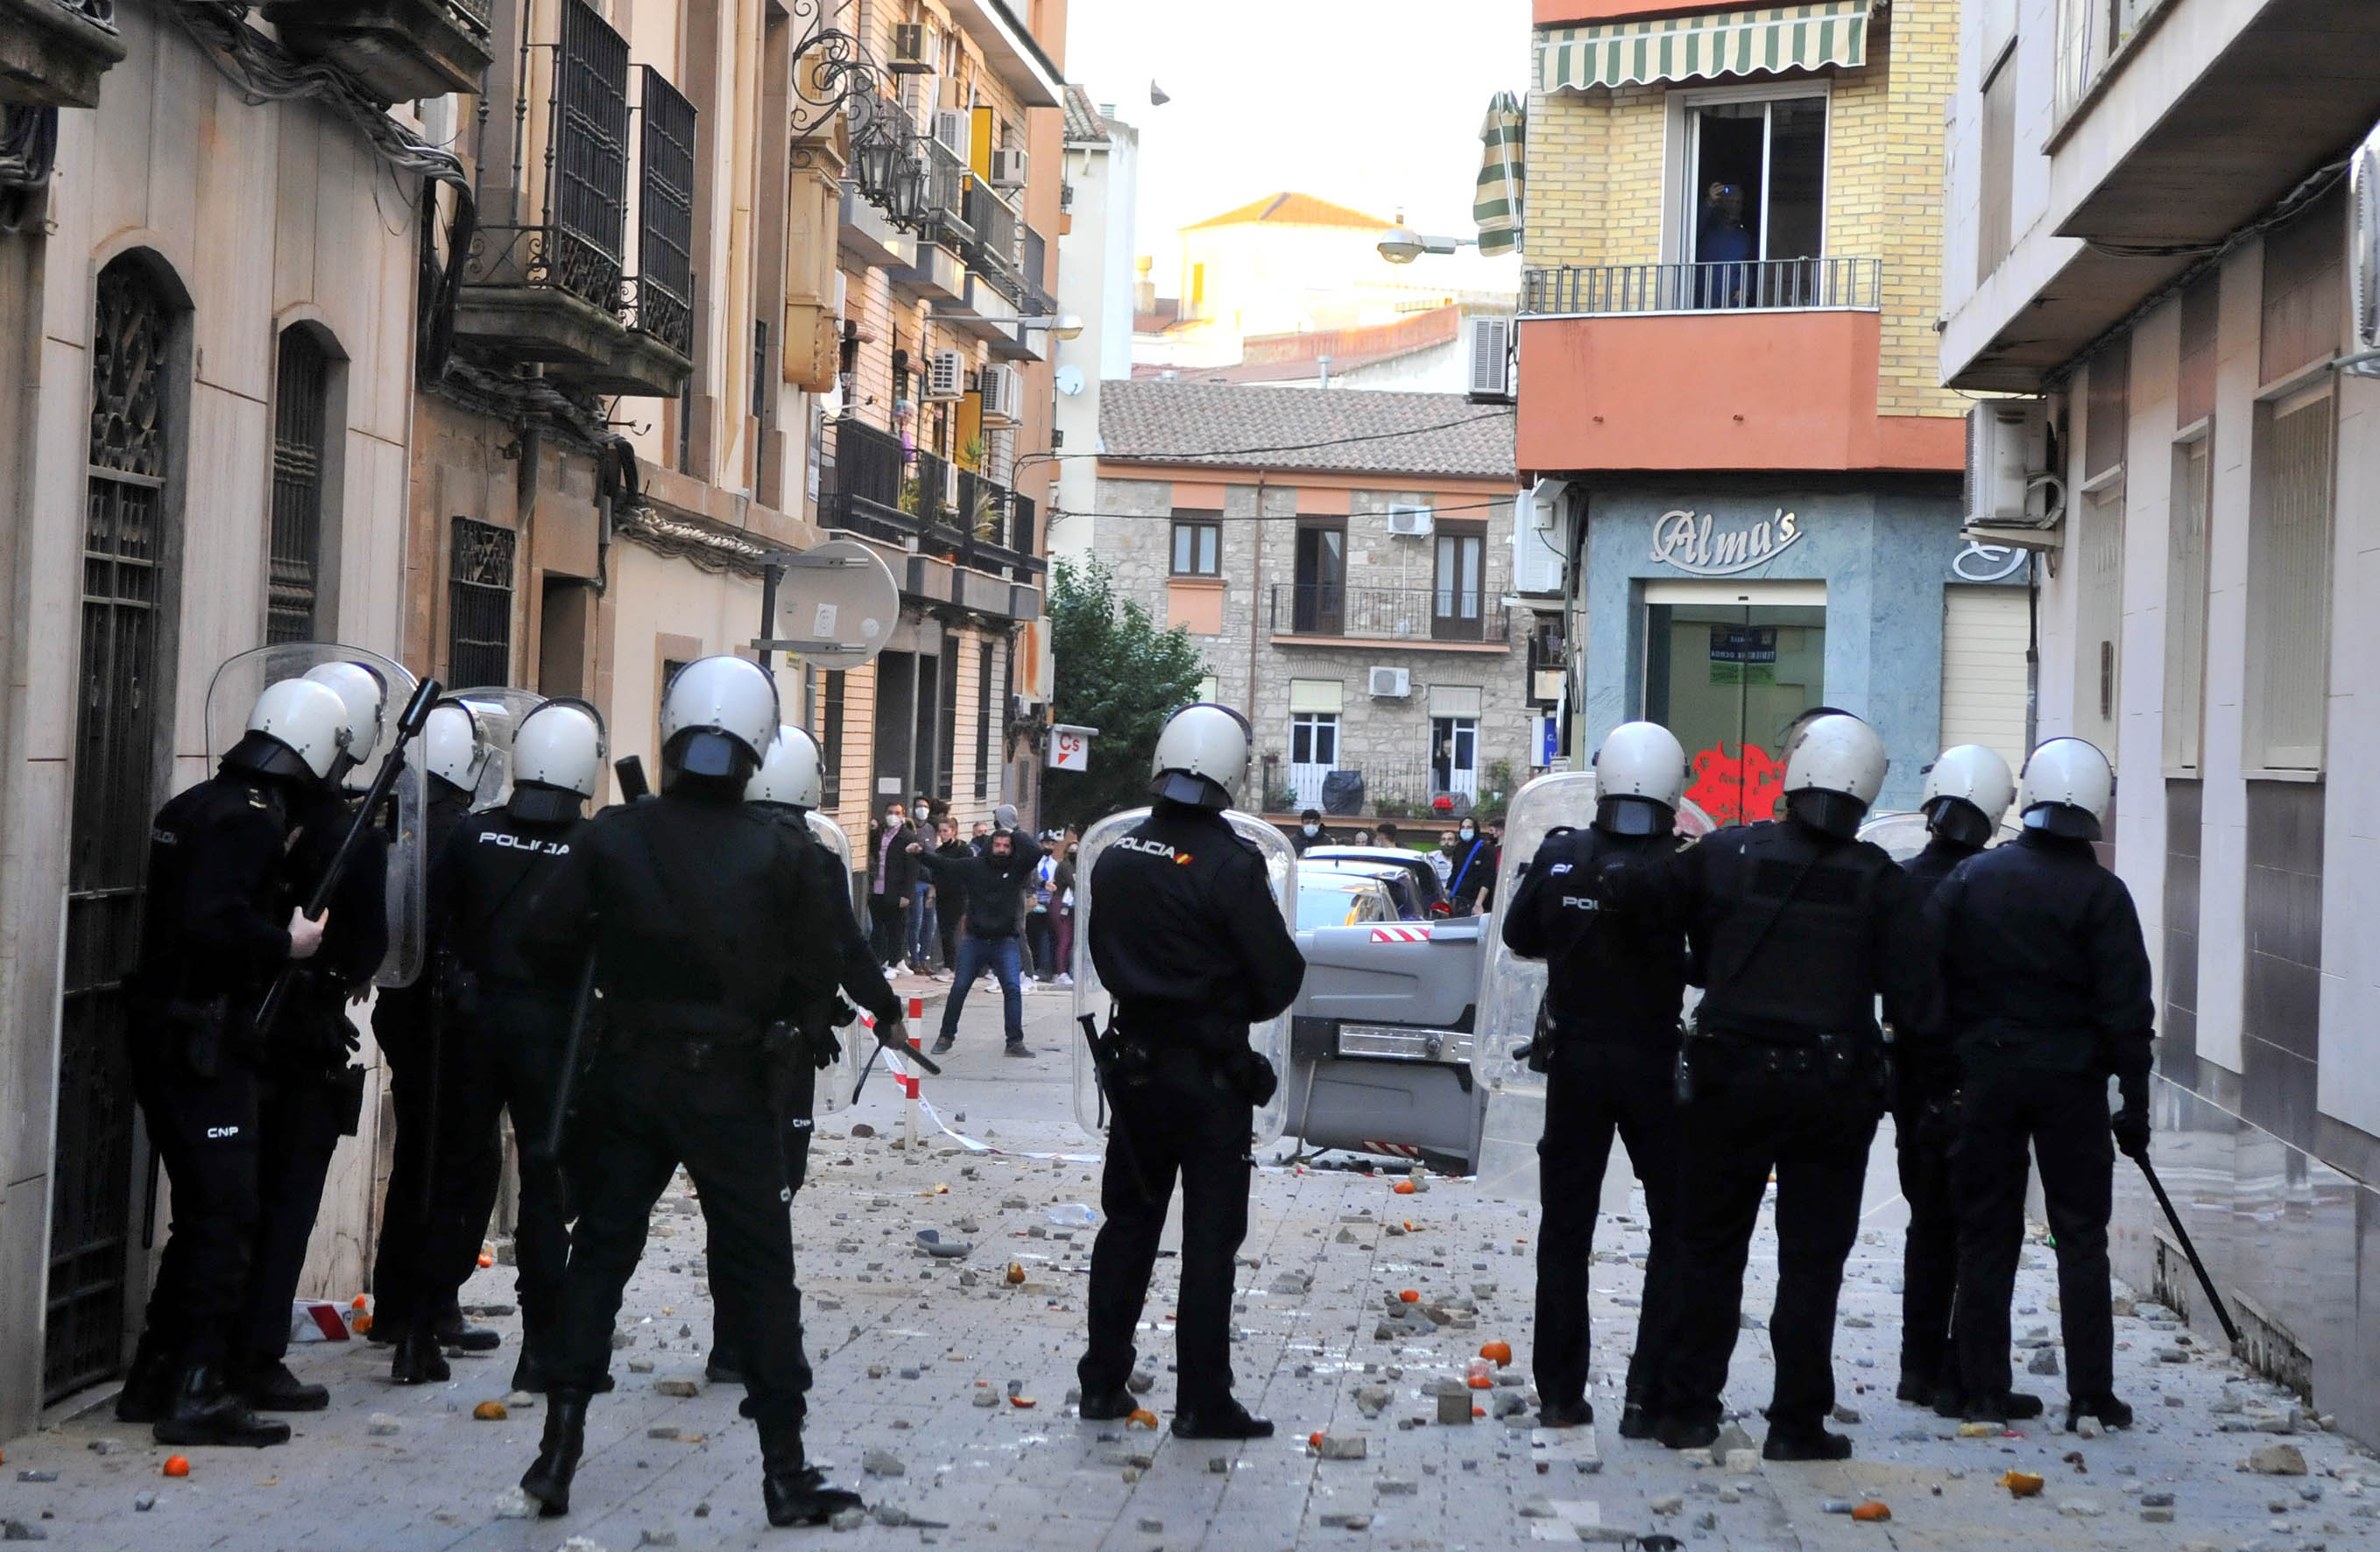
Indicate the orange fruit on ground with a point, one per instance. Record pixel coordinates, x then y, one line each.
486 1259
1141 1417
490 1412
178 1465
1403 1188
1314 1440
2023 1485
1497 1352
1480 1382
1871 1510
1411 1296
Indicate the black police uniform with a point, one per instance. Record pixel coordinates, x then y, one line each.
402 1028
310 1094
1614 985
1922 1097
705 917
1795 931
1189 941
503 1052
2045 992
213 936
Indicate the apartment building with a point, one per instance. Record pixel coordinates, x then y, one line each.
1726 378
2158 243
1349 592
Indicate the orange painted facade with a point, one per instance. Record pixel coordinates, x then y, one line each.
1717 391
1572 13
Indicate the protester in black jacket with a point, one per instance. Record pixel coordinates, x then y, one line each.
993 887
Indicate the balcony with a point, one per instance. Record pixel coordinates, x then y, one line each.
558 292
53 52
398 49
1324 613
864 490
1681 367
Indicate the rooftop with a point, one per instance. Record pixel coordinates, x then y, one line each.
1291 209
1294 358
1084 123
1224 425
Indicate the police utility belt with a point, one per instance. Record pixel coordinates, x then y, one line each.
1851 1062
1134 1050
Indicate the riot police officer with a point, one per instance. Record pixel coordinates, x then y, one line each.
1795 928
1608 1044
454 755
501 1044
1193 949
219 925
310 1093
705 919
1967 790
2045 992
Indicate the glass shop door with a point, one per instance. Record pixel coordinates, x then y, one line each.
1727 678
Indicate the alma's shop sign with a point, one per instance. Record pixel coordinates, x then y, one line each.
1687 542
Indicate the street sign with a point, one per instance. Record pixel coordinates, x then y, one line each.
1070 747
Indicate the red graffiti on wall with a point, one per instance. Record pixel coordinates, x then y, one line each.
1737 789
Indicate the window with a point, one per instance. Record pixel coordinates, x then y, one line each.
945 775
1454 756
1314 738
480 605
300 413
1457 600
1197 547
2185 603
2098 543
983 721
831 741
1995 198
2289 582
1319 593
2090 32
1757 192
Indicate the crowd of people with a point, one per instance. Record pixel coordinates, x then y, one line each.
920 906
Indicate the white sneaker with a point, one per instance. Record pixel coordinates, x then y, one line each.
890 971
1063 980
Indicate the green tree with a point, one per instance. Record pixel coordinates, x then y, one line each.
1120 672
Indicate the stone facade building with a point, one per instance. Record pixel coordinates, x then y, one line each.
1342 561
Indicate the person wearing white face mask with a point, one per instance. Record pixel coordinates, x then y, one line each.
1311 832
1472 872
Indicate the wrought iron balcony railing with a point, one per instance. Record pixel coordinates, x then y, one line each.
1415 614
1772 285
945 220
661 299
861 491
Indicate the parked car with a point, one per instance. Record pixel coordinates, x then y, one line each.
1342 897
1428 892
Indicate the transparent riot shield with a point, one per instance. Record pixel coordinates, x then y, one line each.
232 695
1269 1040
497 709
835 1085
1902 834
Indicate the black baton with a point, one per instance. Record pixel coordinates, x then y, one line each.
2221 1313
572 1052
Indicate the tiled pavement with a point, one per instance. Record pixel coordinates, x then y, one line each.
903 1347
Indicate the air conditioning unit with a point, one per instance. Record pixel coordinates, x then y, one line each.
1002 389
912 43
1491 360
1411 522
953 128
2010 484
1008 169
945 377
1541 539
1392 683
2363 257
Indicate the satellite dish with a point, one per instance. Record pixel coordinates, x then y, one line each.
836 603
1070 380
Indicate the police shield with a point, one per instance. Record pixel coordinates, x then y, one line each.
232 695
1902 834
835 1083
497 710
1269 1040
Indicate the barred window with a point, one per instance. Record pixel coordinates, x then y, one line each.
983 721
831 741
480 604
301 415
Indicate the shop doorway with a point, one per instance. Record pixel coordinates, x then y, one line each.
1727 678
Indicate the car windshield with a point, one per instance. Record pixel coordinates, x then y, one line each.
1335 901
1427 888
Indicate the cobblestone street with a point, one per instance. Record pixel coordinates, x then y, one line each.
942 1394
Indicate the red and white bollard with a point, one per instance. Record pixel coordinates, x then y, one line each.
909 1080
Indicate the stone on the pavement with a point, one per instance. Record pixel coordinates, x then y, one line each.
1454 1406
145 1500
1742 1462
848 1518
684 1389
878 1461
651 1537
1846 1416
2081 1509
1732 1438
1667 1503
513 1504
1346 1521
105 1446
17 1530
1372 1400
2043 1362
2087 1426
1342 1447
382 1424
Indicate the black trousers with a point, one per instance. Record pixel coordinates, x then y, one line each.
401 1027
505 1057
1930 1276
1744 1122
1593 1091
205 1133
2063 1116
889 926
300 1121
651 1106
1179 1123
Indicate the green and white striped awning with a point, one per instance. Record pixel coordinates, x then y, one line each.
1503 173
1706 47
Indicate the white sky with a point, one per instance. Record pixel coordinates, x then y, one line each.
1373 103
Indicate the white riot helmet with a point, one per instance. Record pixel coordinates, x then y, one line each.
1201 757
1967 790
557 760
364 695
719 716
295 733
1640 777
2068 787
1833 772
790 772
451 749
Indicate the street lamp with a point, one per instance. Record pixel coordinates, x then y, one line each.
1065 326
907 189
876 160
1403 245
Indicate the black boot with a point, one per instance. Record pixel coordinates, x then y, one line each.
1565 1414
1106 1406
796 1492
1229 1420
2009 1406
548 1481
270 1386
207 1411
1805 1441
1637 1421
1674 1431
2112 1412
418 1360
148 1393
454 1332
530 1373
724 1366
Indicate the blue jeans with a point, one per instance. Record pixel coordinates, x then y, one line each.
1000 956
923 934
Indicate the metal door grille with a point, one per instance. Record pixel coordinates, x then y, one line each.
587 196
113 790
300 412
665 217
480 605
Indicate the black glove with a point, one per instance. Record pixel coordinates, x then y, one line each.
1252 1075
2132 1128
